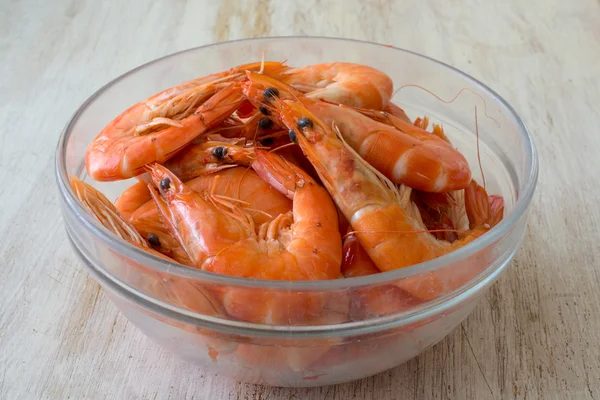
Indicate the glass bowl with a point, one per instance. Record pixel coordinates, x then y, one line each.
333 331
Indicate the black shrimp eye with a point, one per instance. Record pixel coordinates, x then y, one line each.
264 123
153 240
220 152
293 137
305 123
264 110
270 92
267 141
165 183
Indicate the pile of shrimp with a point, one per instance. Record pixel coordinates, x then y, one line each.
271 172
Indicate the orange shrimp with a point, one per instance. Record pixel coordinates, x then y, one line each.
415 158
382 216
220 237
153 130
351 84
419 160
444 214
177 291
228 234
258 199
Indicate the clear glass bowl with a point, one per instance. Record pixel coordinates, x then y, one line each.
337 330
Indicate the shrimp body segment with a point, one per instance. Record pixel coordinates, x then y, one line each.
351 84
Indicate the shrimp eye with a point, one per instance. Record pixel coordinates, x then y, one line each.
270 92
293 137
165 183
305 123
264 110
153 240
220 152
267 141
264 123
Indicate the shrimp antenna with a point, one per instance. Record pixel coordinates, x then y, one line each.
239 183
283 146
403 232
452 100
262 63
478 153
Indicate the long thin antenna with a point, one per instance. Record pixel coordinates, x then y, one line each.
478 154
453 99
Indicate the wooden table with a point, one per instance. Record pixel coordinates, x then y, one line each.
535 335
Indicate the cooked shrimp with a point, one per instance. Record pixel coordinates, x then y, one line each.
304 250
177 291
442 213
351 84
220 237
153 130
421 161
254 195
383 217
417 159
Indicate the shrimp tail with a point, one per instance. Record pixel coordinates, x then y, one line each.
477 205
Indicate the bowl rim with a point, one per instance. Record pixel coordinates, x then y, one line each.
521 205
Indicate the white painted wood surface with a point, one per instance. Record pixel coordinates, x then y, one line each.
536 333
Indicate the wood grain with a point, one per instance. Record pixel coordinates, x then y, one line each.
534 336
